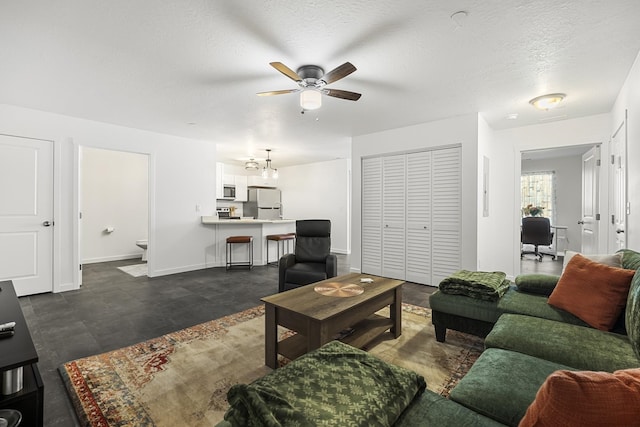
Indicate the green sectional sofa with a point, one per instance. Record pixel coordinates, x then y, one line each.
526 340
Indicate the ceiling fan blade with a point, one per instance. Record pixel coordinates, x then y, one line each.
286 71
342 94
277 92
338 73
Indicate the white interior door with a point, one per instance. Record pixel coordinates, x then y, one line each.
446 212
26 214
371 216
418 251
590 216
618 183
393 216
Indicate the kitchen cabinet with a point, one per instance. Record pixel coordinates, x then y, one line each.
259 181
219 180
412 215
241 188
222 179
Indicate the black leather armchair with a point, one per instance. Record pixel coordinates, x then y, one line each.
536 231
311 261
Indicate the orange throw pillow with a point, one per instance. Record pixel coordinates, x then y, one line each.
593 292
585 398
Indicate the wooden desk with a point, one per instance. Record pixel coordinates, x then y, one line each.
18 357
317 318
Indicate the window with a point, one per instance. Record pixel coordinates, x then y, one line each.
538 191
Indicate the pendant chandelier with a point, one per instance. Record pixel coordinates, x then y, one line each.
268 171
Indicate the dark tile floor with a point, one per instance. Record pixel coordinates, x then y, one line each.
530 264
114 309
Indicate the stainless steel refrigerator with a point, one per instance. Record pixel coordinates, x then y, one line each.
263 203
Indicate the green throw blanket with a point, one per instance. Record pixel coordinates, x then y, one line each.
484 285
335 385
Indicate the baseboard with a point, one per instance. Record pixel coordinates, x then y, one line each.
354 270
168 271
340 251
64 287
111 258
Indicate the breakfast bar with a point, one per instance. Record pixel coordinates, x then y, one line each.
259 229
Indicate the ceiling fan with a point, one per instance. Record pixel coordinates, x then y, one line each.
312 81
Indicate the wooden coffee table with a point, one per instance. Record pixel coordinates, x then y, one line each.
318 318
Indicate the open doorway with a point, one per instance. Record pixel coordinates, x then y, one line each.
114 206
559 191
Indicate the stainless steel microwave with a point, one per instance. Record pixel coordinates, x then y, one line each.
229 191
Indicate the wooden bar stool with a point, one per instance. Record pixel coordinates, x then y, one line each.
279 238
232 240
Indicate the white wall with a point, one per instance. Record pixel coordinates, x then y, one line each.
502 230
320 191
181 173
568 192
629 100
114 193
461 130
485 238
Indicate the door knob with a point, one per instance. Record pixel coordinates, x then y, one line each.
619 231
580 222
47 223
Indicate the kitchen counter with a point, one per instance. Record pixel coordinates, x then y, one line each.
214 220
259 229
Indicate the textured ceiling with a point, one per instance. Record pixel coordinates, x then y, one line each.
192 68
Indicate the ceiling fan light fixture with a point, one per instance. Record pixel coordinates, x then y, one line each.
310 99
547 102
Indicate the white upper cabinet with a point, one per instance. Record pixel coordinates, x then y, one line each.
259 181
219 180
228 179
241 188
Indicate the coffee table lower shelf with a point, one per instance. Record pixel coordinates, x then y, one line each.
364 332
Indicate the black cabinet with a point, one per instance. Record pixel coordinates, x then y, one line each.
30 400
17 352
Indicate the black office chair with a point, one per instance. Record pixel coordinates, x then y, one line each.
536 231
311 261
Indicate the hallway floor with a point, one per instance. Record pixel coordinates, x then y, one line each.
114 309
530 264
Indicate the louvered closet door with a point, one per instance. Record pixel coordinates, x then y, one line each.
393 216
446 211
372 216
418 215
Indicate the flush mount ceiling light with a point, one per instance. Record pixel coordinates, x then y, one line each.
268 171
547 102
310 99
459 18
251 165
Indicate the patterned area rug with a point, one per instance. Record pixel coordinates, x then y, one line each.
182 378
